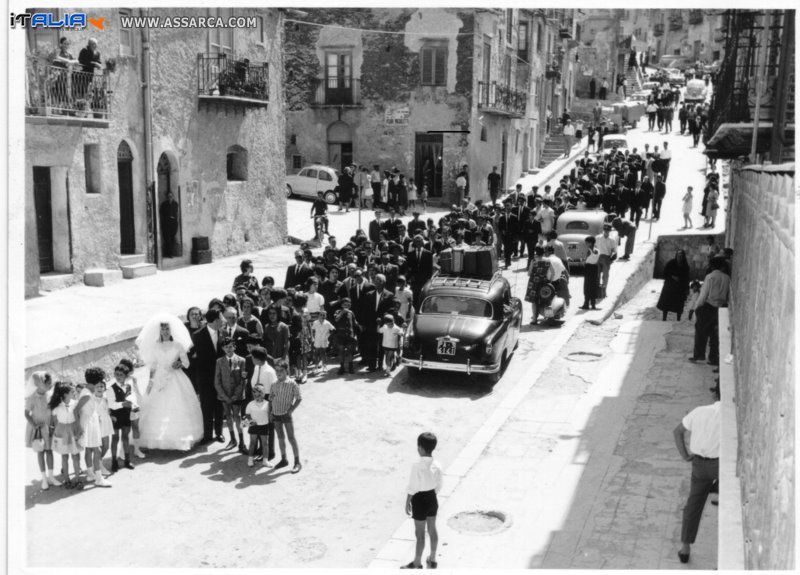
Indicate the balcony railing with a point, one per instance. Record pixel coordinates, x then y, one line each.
220 78
676 23
565 32
499 99
63 92
337 92
658 29
695 17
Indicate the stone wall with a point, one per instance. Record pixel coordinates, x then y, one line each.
695 246
598 51
762 315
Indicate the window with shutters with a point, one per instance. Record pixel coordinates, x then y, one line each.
522 41
125 35
297 161
42 40
434 65
509 20
539 34
220 40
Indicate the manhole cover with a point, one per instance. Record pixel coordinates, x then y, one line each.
480 522
584 356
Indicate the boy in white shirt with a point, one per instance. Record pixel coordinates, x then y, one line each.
392 339
404 295
322 329
421 502
257 413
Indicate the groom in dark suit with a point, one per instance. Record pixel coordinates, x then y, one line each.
203 356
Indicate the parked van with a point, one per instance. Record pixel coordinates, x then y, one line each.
696 92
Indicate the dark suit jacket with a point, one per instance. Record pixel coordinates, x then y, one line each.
295 276
373 306
375 229
419 270
203 357
391 271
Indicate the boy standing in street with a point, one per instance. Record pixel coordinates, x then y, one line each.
284 399
421 502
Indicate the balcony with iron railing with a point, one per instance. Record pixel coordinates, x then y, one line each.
499 99
337 92
58 93
695 17
658 29
222 79
676 23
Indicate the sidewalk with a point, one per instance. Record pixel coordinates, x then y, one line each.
584 468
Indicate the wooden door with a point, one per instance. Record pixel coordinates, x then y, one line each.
127 229
427 163
44 217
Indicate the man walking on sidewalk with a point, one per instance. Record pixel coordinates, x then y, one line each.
703 424
607 246
713 295
569 132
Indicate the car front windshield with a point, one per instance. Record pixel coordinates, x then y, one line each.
455 305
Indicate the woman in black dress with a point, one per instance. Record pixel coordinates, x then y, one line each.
676 286
345 190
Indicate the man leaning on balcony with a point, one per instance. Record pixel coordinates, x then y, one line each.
62 60
89 59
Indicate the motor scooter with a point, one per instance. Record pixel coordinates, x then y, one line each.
549 305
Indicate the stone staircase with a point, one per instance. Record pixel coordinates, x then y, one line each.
134 266
553 148
633 80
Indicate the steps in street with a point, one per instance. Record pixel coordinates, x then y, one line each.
56 281
131 259
100 277
138 270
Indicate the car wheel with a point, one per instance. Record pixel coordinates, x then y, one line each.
493 378
289 192
330 197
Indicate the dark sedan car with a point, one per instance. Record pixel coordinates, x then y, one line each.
464 325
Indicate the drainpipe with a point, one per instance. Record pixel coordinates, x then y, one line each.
762 64
148 143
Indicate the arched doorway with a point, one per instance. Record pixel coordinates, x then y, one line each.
127 229
340 145
169 208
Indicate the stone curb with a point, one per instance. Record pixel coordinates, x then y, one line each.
525 375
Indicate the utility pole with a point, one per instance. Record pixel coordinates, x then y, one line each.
763 51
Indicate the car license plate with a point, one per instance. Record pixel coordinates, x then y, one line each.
446 347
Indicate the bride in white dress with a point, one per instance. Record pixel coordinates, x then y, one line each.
171 417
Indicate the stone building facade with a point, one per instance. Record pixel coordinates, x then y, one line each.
423 90
694 34
94 193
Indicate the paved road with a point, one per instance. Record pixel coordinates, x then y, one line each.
356 436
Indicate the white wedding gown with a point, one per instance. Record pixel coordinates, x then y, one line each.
171 417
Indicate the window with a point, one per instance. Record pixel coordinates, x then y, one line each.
677 52
42 40
522 41
507 70
539 38
293 140
125 35
516 143
487 59
260 34
434 65
483 133
715 55
220 40
338 69
456 305
92 168
509 21
325 176
237 164
311 174
577 225
297 161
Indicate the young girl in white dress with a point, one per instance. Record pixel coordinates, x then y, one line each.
39 415
171 417
88 415
64 438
